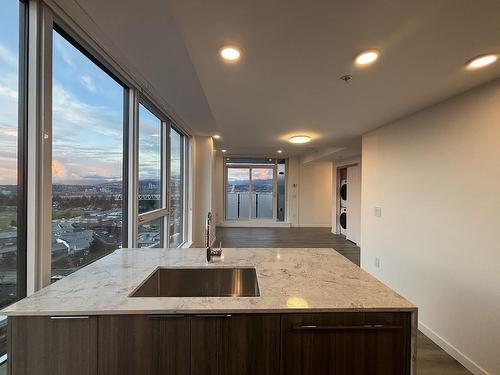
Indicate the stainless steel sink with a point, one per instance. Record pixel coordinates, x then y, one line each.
200 282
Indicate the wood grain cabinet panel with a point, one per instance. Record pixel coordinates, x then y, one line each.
45 346
346 344
238 344
143 345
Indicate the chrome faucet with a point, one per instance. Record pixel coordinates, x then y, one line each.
208 241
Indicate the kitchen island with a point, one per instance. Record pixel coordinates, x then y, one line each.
315 313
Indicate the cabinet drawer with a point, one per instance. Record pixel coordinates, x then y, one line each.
346 343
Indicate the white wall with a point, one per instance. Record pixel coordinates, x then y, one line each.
309 203
203 169
436 176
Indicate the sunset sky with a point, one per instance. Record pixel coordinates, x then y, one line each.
243 174
9 39
87 128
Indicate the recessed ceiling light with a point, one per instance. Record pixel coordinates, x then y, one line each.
230 53
299 139
216 136
482 61
280 151
224 151
367 57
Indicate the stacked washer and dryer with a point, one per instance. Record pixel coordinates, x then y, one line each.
349 202
343 206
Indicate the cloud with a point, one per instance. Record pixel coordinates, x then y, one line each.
74 114
7 56
8 92
88 83
60 45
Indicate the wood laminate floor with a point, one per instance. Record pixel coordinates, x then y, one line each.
431 359
287 237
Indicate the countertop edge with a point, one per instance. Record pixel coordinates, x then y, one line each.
208 311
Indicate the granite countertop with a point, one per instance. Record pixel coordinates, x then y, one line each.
290 280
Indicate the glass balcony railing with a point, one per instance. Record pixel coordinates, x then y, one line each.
246 205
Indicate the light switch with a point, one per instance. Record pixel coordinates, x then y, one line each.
378 212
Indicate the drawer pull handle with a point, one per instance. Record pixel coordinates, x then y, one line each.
165 316
306 327
68 317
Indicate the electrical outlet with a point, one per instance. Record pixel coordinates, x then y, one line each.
378 212
377 262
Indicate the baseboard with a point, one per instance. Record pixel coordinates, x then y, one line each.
254 224
451 350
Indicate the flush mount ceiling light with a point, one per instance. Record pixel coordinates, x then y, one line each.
482 61
367 57
299 139
279 151
230 53
224 151
216 136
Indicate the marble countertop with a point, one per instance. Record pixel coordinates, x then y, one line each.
290 280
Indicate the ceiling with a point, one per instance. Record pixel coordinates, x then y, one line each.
293 53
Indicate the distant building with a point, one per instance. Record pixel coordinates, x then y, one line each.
67 238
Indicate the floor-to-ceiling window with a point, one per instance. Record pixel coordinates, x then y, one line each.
151 182
87 159
12 202
176 192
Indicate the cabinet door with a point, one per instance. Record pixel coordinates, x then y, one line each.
235 344
143 345
346 343
53 346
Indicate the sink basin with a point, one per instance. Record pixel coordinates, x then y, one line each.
200 282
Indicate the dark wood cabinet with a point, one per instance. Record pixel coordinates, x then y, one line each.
235 344
52 346
346 343
143 345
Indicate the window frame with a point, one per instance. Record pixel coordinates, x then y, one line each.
250 167
42 221
184 178
43 16
162 212
22 149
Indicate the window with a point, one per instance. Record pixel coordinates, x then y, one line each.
12 201
87 158
176 188
151 234
151 199
150 161
9 95
251 186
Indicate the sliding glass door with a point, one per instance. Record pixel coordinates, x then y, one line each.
250 193
238 193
